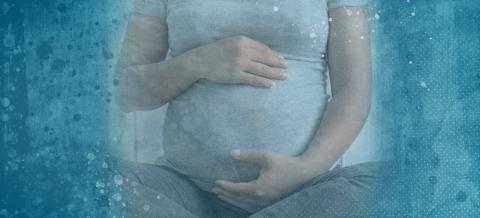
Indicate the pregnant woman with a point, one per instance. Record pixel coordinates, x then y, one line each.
250 129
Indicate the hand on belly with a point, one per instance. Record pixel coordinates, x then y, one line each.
279 176
237 60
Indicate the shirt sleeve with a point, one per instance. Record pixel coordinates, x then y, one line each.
340 3
151 7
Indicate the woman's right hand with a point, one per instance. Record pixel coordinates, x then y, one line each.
237 60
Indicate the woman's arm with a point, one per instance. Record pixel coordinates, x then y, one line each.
350 77
349 63
147 81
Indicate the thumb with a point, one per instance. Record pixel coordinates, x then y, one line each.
250 156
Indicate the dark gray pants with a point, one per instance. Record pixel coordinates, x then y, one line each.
157 191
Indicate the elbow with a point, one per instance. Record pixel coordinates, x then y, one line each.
364 105
125 108
122 102
367 107
357 102
122 96
128 102
135 93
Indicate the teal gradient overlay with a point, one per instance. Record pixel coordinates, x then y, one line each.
427 57
56 67
56 62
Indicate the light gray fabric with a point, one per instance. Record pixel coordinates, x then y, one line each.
151 7
340 3
155 191
159 7
209 119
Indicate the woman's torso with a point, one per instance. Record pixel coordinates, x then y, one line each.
209 119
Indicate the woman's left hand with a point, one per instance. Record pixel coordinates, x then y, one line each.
279 176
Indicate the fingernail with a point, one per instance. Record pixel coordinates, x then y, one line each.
284 76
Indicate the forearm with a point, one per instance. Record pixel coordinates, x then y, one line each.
149 86
349 66
341 122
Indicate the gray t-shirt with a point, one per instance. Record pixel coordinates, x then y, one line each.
209 119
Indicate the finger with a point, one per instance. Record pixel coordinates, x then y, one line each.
262 47
236 197
268 58
251 79
240 188
265 71
237 203
250 156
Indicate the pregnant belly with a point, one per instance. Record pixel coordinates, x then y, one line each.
207 121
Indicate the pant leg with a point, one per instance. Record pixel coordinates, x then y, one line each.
343 192
156 191
226 210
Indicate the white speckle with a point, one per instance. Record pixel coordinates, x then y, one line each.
410 62
146 207
5 102
413 14
104 165
99 184
358 12
275 8
377 16
423 84
118 179
349 12
362 37
312 35
90 156
117 197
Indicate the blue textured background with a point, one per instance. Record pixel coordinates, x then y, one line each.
56 73
428 53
